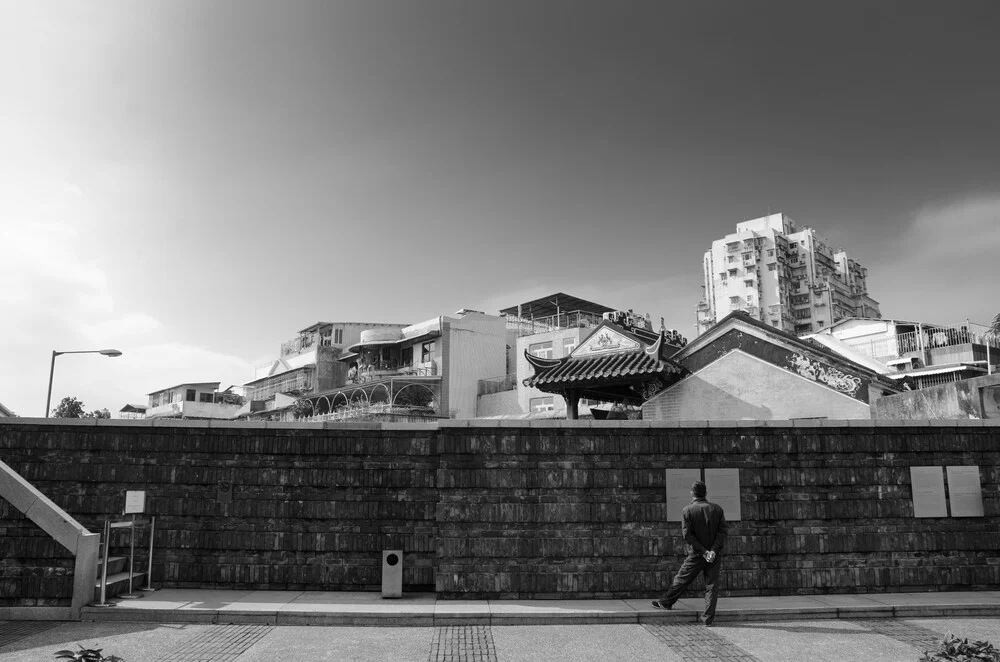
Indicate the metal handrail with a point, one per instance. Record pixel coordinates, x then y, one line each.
131 525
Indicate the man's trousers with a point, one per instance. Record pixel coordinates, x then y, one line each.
694 565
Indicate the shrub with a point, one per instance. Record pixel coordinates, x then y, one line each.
953 649
86 655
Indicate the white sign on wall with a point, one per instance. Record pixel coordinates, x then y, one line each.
965 492
679 490
927 485
135 502
724 489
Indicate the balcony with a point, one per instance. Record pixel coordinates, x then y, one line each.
296 381
191 409
382 370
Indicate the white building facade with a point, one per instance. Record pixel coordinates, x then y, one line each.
784 275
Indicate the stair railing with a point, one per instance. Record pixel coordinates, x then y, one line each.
130 524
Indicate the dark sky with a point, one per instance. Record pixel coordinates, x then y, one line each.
186 167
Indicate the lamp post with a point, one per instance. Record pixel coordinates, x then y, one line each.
52 368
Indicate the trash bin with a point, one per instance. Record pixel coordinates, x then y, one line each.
392 573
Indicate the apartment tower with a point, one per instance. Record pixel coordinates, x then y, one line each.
783 275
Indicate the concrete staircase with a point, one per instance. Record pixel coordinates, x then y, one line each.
118 576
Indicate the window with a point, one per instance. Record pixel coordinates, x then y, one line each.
338 336
542 350
406 355
569 344
748 283
189 396
734 299
722 276
750 299
770 252
542 404
747 256
802 314
427 351
731 258
772 266
204 397
793 259
732 272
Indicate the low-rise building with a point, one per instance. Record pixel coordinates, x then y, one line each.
920 354
390 372
194 400
4 412
547 327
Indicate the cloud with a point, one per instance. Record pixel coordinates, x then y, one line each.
957 230
54 296
110 330
943 267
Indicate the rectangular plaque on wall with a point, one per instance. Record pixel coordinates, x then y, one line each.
965 492
679 491
927 485
724 489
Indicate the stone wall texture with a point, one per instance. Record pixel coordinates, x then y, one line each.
512 509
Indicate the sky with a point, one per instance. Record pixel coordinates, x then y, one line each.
193 182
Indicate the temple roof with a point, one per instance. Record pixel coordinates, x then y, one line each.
611 364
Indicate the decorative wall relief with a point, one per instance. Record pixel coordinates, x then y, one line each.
818 372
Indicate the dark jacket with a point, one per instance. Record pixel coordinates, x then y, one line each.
704 527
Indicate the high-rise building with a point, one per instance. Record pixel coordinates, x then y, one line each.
783 275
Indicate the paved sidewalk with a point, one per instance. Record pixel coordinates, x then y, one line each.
424 609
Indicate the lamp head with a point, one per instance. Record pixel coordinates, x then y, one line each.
110 352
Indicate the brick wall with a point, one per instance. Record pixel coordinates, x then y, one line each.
35 570
826 509
573 509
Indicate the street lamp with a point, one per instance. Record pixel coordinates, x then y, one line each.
52 368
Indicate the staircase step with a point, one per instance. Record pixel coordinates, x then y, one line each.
116 564
118 584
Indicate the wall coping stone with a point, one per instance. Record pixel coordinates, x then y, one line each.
294 425
495 423
179 423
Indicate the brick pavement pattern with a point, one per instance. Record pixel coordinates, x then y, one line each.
12 631
463 643
696 642
219 643
902 631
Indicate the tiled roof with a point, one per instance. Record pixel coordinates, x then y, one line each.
598 367
603 368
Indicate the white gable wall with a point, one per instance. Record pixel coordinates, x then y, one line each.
740 387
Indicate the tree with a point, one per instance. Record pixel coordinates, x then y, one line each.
302 408
69 407
995 327
98 413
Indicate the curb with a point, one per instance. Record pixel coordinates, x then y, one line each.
430 619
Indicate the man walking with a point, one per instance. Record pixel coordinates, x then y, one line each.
703 525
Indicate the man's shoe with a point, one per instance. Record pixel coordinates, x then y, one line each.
660 605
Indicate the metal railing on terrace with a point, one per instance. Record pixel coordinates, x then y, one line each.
363 410
298 382
886 349
497 384
567 320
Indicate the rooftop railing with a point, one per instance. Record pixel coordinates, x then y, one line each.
566 320
929 338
